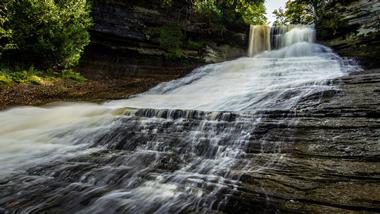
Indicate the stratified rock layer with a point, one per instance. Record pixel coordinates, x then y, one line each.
330 155
321 157
125 39
352 28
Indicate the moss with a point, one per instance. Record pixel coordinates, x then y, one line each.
70 74
171 39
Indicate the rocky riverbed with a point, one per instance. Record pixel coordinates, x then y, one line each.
320 157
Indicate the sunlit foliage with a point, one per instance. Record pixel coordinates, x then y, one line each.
45 33
300 12
249 11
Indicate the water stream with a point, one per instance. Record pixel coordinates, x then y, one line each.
179 147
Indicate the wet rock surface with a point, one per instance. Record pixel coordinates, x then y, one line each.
321 157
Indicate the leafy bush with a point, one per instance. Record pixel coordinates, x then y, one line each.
47 33
208 7
31 75
5 33
5 79
247 11
35 76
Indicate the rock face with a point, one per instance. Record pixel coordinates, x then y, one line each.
125 39
329 158
321 157
352 28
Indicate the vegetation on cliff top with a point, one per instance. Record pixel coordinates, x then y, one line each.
43 34
52 34
248 11
215 18
317 12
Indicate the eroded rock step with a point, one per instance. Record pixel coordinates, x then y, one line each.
321 157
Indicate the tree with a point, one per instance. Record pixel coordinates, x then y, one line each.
280 17
248 11
5 32
300 12
49 33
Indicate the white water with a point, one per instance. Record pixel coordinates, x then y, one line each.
271 80
30 135
259 39
264 38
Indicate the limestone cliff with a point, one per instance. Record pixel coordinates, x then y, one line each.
126 38
352 28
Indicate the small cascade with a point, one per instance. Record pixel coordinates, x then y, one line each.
259 39
264 38
277 36
185 146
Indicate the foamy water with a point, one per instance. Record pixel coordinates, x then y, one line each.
209 153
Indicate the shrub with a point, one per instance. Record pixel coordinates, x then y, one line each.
35 76
221 11
32 75
48 33
5 79
5 33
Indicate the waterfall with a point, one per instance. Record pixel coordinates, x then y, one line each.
259 39
264 38
181 147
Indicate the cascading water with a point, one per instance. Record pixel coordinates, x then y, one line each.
264 38
180 147
259 39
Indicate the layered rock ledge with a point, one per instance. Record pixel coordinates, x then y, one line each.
321 157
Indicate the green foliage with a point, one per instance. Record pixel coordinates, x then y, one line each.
5 32
331 22
252 12
171 37
31 75
280 17
300 12
47 33
315 12
207 7
70 74
5 79
248 11
35 76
